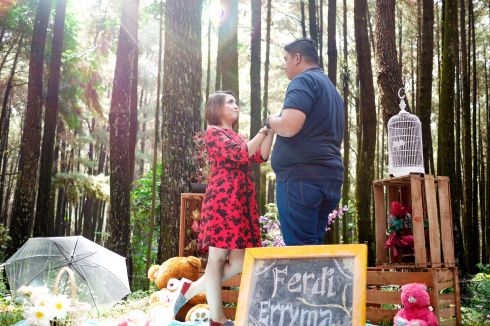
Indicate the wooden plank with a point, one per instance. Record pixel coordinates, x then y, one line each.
445 275
182 224
446 218
229 296
446 299
447 313
380 224
434 233
397 278
418 221
448 322
435 294
376 315
457 296
233 282
382 297
229 312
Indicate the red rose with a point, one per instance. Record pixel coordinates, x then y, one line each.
195 226
398 209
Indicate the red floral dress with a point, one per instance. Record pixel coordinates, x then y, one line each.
229 215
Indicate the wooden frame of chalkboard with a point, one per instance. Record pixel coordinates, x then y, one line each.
303 285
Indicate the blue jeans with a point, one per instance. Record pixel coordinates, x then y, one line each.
304 207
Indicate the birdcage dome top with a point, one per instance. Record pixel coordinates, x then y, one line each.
405 149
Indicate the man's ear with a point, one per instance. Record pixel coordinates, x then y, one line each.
297 58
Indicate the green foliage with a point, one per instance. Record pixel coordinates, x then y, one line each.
4 241
140 222
76 183
476 300
10 312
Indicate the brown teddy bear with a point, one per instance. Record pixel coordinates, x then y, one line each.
174 268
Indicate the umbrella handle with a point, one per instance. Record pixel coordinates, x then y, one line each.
72 282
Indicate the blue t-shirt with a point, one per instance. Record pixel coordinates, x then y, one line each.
314 152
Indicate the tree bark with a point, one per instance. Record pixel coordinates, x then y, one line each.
5 125
229 55
267 61
182 99
25 192
312 20
156 142
332 41
466 110
255 89
303 19
424 80
133 114
345 82
44 223
389 73
445 162
119 124
474 255
365 164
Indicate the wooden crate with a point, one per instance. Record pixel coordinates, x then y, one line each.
189 202
383 293
430 199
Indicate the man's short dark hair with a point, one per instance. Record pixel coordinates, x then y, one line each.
305 47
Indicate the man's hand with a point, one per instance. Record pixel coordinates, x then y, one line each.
288 124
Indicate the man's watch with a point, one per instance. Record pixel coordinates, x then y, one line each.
267 125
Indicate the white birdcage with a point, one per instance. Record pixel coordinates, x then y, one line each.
405 149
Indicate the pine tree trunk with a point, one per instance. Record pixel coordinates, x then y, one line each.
60 202
424 80
303 18
486 230
312 20
5 124
141 171
345 82
133 115
43 226
389 73
445 155
475 253
466 110
229 55
265 113
457 193
25 192
119 124
182 98
365 170
332 41
255 89
156 142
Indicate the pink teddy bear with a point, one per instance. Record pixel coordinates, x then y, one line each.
415 311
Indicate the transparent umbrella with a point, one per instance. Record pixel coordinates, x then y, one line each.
100 274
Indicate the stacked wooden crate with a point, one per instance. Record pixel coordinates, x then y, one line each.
432 259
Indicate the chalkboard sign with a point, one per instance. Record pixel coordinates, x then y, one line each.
303 285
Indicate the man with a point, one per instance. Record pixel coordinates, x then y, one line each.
306 156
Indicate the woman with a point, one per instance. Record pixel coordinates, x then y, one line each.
229 215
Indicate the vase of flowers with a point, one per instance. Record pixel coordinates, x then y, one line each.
200 158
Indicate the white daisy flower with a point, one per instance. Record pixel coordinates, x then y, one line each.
37 316
60 305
